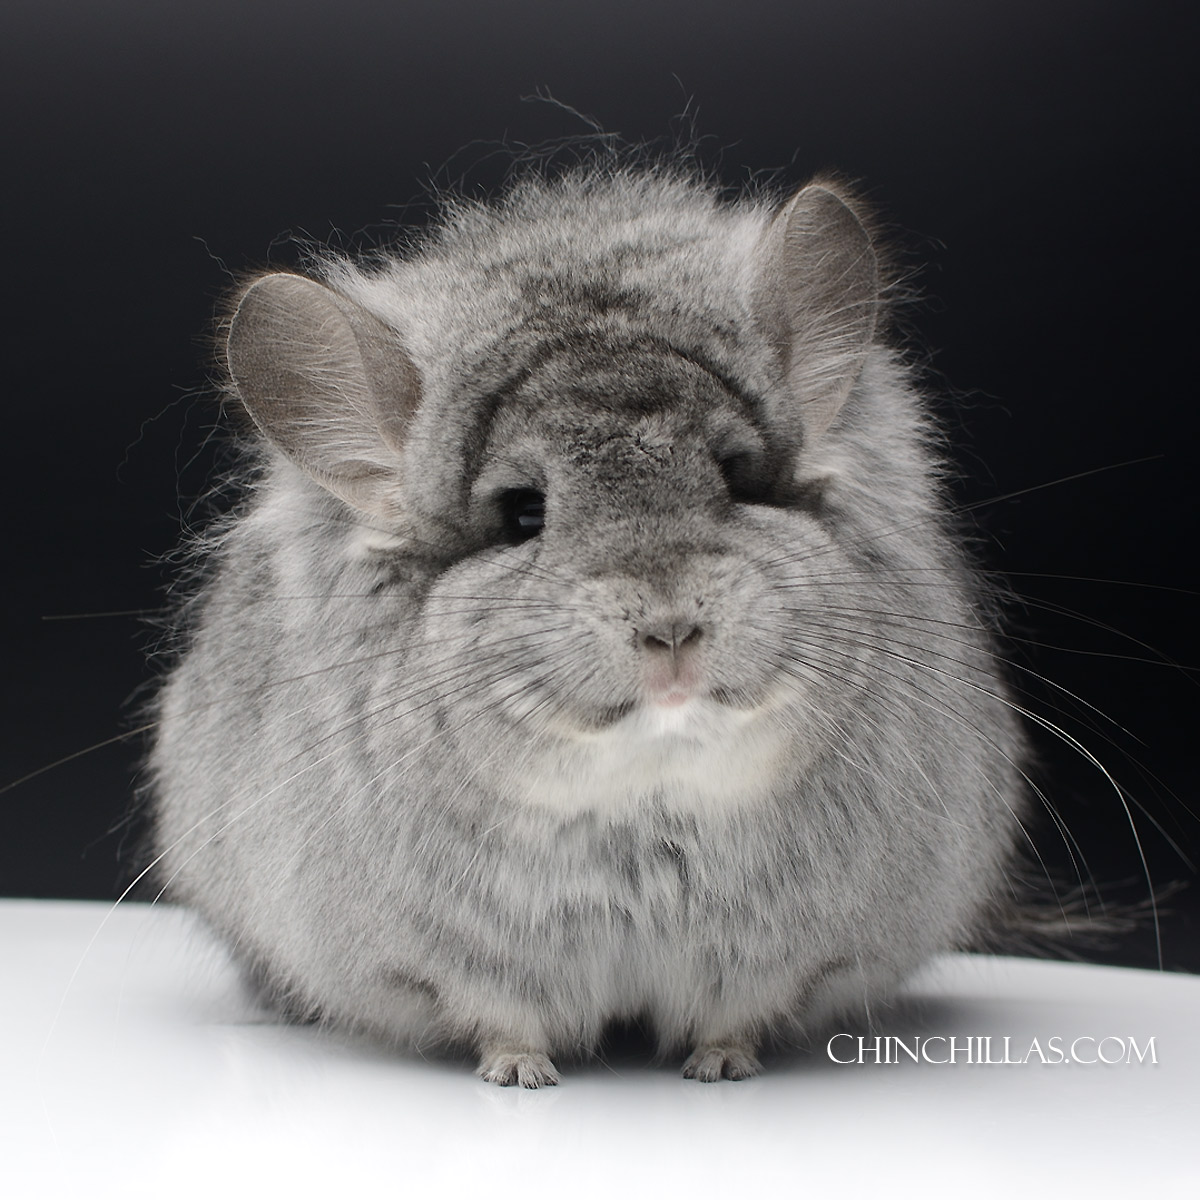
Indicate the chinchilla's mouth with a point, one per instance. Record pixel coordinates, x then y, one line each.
599 719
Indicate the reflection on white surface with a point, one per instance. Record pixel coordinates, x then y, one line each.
134 1066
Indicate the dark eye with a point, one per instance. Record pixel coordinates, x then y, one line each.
741 478
523 512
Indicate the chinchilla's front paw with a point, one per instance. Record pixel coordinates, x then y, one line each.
722 1060
509 1065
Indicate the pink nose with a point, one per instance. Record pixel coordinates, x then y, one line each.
670 666
669 637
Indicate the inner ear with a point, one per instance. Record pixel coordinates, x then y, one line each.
326 382
817 297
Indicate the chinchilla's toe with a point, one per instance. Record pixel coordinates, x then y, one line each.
731 1060
510 1066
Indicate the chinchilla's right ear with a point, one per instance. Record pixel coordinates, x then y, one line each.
326 382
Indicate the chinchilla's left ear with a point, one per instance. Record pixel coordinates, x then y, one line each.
817 297
327 383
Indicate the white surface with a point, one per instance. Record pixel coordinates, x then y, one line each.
135 1067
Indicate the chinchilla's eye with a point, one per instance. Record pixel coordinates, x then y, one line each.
523 512
741 478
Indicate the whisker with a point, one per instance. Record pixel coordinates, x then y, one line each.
915 692
1076 745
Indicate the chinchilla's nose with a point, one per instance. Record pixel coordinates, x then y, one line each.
669 637
672 669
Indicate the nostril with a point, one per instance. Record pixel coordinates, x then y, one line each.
670 639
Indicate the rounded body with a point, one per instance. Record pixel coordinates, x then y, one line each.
617 683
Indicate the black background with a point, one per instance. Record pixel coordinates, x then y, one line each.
1038 158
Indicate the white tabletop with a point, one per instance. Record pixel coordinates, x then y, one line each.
135 1066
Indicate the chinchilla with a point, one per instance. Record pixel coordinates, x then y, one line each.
594 641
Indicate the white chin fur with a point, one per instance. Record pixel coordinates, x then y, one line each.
698 755
696 721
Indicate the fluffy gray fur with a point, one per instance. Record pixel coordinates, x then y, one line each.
722 747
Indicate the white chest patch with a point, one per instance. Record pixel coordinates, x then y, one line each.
699 755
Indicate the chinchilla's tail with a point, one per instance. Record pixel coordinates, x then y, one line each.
1081 922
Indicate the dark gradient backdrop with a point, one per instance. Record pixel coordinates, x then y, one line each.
1040 157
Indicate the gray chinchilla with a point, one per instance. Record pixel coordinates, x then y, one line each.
593 642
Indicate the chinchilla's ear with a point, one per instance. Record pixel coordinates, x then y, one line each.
817 297
327 383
